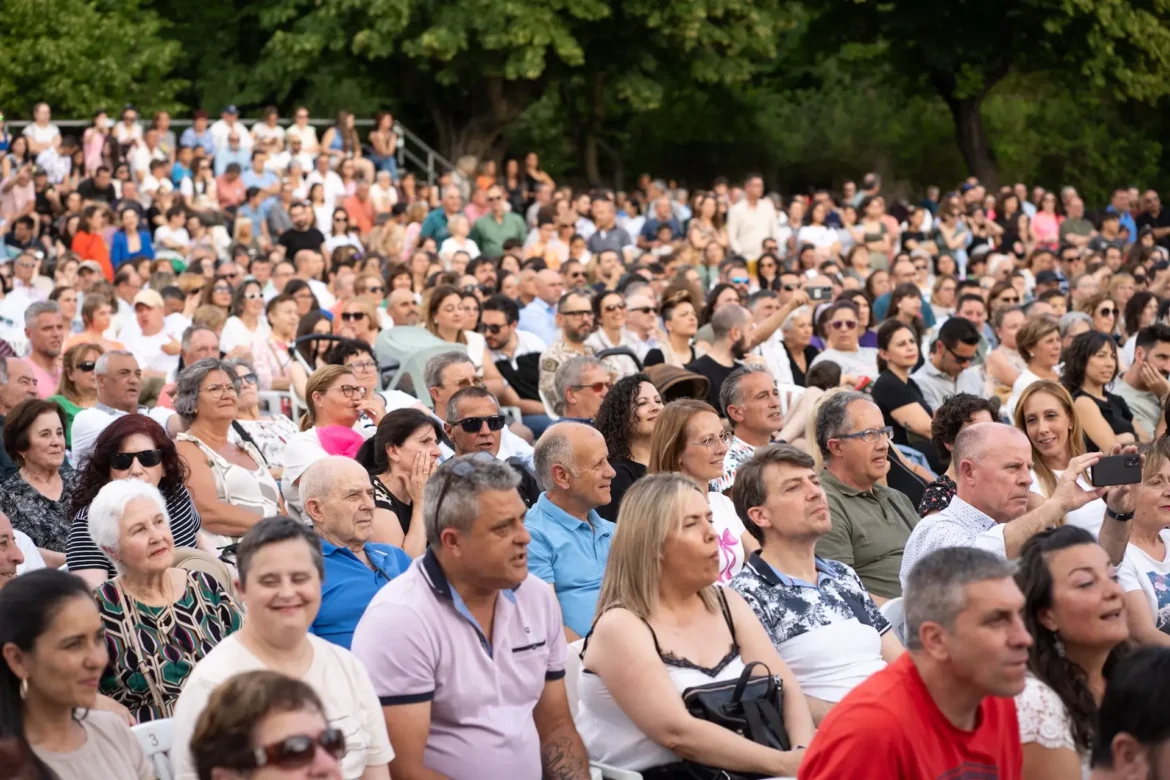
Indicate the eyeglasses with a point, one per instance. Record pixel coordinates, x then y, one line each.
492 199
221 390
221 288
790 287
253 296
352 316
249 377
642 309
297 751
493 329
595 387
843 324
870 435
340 219
612 307
349 391
1107 312
376 289
362 365
146 458
475 424
475 381
580 313
86 366
711 443
739 280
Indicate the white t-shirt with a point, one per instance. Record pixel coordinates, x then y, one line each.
42 135
820 236
334 674
177 236
236 334
262 132
89 424
307 134
450 246
32 556
863 362
1139 571
147 350
729 530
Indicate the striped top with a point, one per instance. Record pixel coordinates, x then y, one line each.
82 553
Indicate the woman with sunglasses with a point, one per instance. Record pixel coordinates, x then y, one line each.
1103 311
1004 364
340 234
160 620
1090 365
218 293
228 478
247 323
77 389
265 726
132 447
358 319
841 323
609 312
315 323
626 419
401 458
689 439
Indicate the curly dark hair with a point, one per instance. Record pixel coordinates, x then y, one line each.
1076 358
1045 660
955 412
617 415
96 471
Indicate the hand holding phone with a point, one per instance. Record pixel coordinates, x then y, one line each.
1123 469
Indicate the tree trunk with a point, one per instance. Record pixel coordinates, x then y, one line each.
593 130
972 139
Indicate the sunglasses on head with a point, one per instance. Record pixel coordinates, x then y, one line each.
297 751
475 424
147 458
86 365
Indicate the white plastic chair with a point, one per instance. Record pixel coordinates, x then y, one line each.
155 738
894 612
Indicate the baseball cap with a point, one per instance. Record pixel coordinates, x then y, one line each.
90 265
1046 277
149 298
231 109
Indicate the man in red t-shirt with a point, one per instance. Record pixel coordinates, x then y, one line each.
943 710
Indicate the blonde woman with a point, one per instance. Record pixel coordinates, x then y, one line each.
664 626
77 389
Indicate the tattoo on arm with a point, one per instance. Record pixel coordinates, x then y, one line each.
563 758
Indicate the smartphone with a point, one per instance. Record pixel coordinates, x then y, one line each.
1118 470
819 293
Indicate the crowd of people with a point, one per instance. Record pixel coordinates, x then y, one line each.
832 453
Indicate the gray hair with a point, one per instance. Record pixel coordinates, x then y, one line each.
730 393
799 311
103 362
552 449
461 480
722 321
751 489
935 588
1068 319
433 371
273 530
833 418
452 410
189 380
189 334
37 309
569 374
109 506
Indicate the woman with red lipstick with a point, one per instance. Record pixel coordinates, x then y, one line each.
626 419
54 652
1076 615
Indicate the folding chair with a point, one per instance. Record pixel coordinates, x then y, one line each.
155 738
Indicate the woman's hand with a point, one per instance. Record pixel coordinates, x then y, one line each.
1122 499
420 473
372 409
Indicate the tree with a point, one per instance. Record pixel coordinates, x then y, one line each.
80 55
961 50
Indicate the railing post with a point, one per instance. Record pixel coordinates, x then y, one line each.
430 167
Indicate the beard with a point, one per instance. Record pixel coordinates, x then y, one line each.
740 348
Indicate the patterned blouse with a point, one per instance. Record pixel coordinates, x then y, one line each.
937 496
44 520
173 639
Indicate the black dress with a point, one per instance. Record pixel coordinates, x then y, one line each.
798 376
628 472
384 499
891 393
1115 411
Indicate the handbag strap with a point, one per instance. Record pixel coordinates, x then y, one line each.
130 617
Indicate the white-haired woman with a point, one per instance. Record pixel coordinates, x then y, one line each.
159 620
664 626
797 329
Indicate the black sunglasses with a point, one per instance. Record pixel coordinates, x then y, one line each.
86 366
474 424
352 316
297 751
148 459
493 329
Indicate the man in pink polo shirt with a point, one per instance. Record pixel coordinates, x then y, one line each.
465 649
46 333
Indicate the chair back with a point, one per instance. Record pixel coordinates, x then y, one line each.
155 738
894 611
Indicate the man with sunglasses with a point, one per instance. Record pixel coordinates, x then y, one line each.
950 355
642 324
516 354
497 226
581 384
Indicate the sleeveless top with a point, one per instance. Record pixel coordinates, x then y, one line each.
255 491
1115 411
609 734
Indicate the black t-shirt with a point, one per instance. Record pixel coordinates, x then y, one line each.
295 240
891 393
88 190
627 473
716 374
1160 221
524 377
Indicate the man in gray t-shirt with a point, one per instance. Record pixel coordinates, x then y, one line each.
1144 386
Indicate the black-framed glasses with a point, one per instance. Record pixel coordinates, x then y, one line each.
297 751
86 366
352 316
870 435
578 313
610 308
494 422
1107 312
493 329
596 387
375 288
362 365
147 458
349 391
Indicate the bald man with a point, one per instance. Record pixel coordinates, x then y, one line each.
995 509
402 308
540 316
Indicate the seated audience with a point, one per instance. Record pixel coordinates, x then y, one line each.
268 432
957 413
626 419
1133 727
358 357
449 372
730 327
871 522
1074 611
570 541
280 573
1039 345
1144 573
1144 386
12 558
77 389
581 384
266 722
1004 364
663 626
119 381
941 709
475 424
689 439
339 500
1090 365
797 333
842 321
54 649
450 708
17 383
903 406
751 403
401 458
830 633
228 480
134 447
36 498
159 620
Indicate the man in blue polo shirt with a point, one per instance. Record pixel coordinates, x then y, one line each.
570 541
339 499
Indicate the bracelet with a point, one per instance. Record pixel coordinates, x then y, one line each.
1121 517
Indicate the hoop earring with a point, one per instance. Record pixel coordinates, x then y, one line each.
24 688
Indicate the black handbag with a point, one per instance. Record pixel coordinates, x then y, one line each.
750 706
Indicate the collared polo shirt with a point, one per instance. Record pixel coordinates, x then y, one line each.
570 555
419 642
490 235
956 526
350 585
870 529
829 633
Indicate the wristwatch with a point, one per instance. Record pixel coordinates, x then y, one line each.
1121 517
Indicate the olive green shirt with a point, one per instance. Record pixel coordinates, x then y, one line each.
870 529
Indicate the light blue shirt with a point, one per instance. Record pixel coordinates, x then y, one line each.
226 157
540 318
1127 221
570 555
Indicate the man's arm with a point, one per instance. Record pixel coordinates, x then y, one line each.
409 725
562 753
764 330
1067 497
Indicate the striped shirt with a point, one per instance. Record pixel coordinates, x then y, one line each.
82 553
